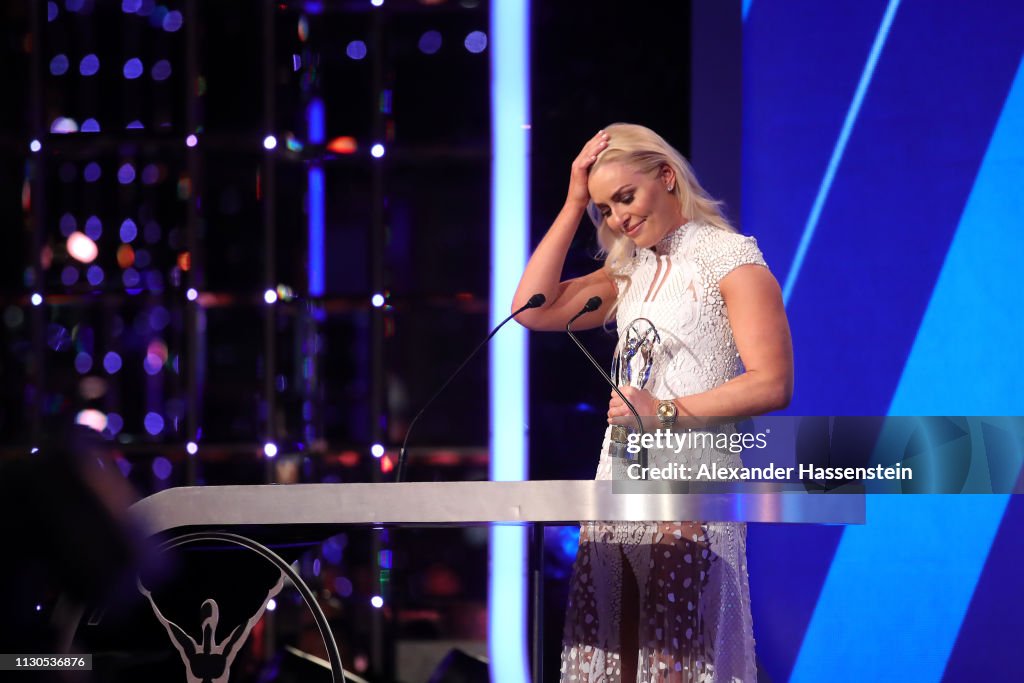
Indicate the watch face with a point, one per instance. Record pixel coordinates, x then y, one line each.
666 409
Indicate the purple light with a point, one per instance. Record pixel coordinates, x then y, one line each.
69 275
172 22
92 172
72 5
35 145
83 362
430 42
154 281
130 277
145 8
115 423
135 125
132 68
59 64
151 232
161 465
63 125
476 42
128 230
122 464
154 423
51 11
161 71
356 49
150 174
159 317
343 586
90 126
316 567
89 65
130 6
191 294
111 362
191 140
93 227
68 224
270 449
142 258
296 62
377 150
94 275
153 364
126 174
376 3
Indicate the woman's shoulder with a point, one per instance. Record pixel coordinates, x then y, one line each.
721 250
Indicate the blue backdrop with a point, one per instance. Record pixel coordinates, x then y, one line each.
883 174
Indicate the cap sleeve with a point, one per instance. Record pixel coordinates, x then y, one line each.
728 251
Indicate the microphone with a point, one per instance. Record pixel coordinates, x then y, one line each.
536 301
618 433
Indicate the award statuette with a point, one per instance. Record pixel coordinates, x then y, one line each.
631 366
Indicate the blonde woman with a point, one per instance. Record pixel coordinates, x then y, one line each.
702 332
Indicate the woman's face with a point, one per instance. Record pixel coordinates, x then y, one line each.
637 205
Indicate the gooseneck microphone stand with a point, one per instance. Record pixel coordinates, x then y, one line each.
593 303
536 301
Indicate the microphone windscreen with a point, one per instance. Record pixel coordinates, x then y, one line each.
536 301
593 303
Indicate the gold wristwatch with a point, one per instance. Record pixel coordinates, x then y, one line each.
667 413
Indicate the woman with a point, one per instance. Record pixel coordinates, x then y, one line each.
691 298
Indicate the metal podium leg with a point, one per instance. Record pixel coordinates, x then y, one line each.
537 599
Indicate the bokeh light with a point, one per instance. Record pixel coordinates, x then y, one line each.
93 227
111 362
161 71
94 275
129 231
377 150
89 65
126 173
270 142
270 450
172 21
81 248
90 126
430 42
356 49
59 65
154 423
132 68
92 172
476 42
161 465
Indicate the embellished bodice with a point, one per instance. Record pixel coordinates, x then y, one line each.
674 289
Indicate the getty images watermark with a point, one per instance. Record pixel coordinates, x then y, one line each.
664 441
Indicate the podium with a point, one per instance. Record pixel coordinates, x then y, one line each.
218 513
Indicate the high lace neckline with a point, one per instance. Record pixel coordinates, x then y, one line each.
670 242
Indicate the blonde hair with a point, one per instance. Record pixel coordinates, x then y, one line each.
647 152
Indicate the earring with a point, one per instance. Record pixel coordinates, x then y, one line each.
671 187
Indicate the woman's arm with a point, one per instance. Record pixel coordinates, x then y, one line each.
544 270
759 325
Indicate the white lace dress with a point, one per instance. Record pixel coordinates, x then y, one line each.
692 603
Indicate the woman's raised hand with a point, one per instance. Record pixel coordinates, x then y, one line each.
578 192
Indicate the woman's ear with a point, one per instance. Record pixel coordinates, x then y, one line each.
668 176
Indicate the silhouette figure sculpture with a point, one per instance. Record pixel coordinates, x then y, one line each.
209 661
